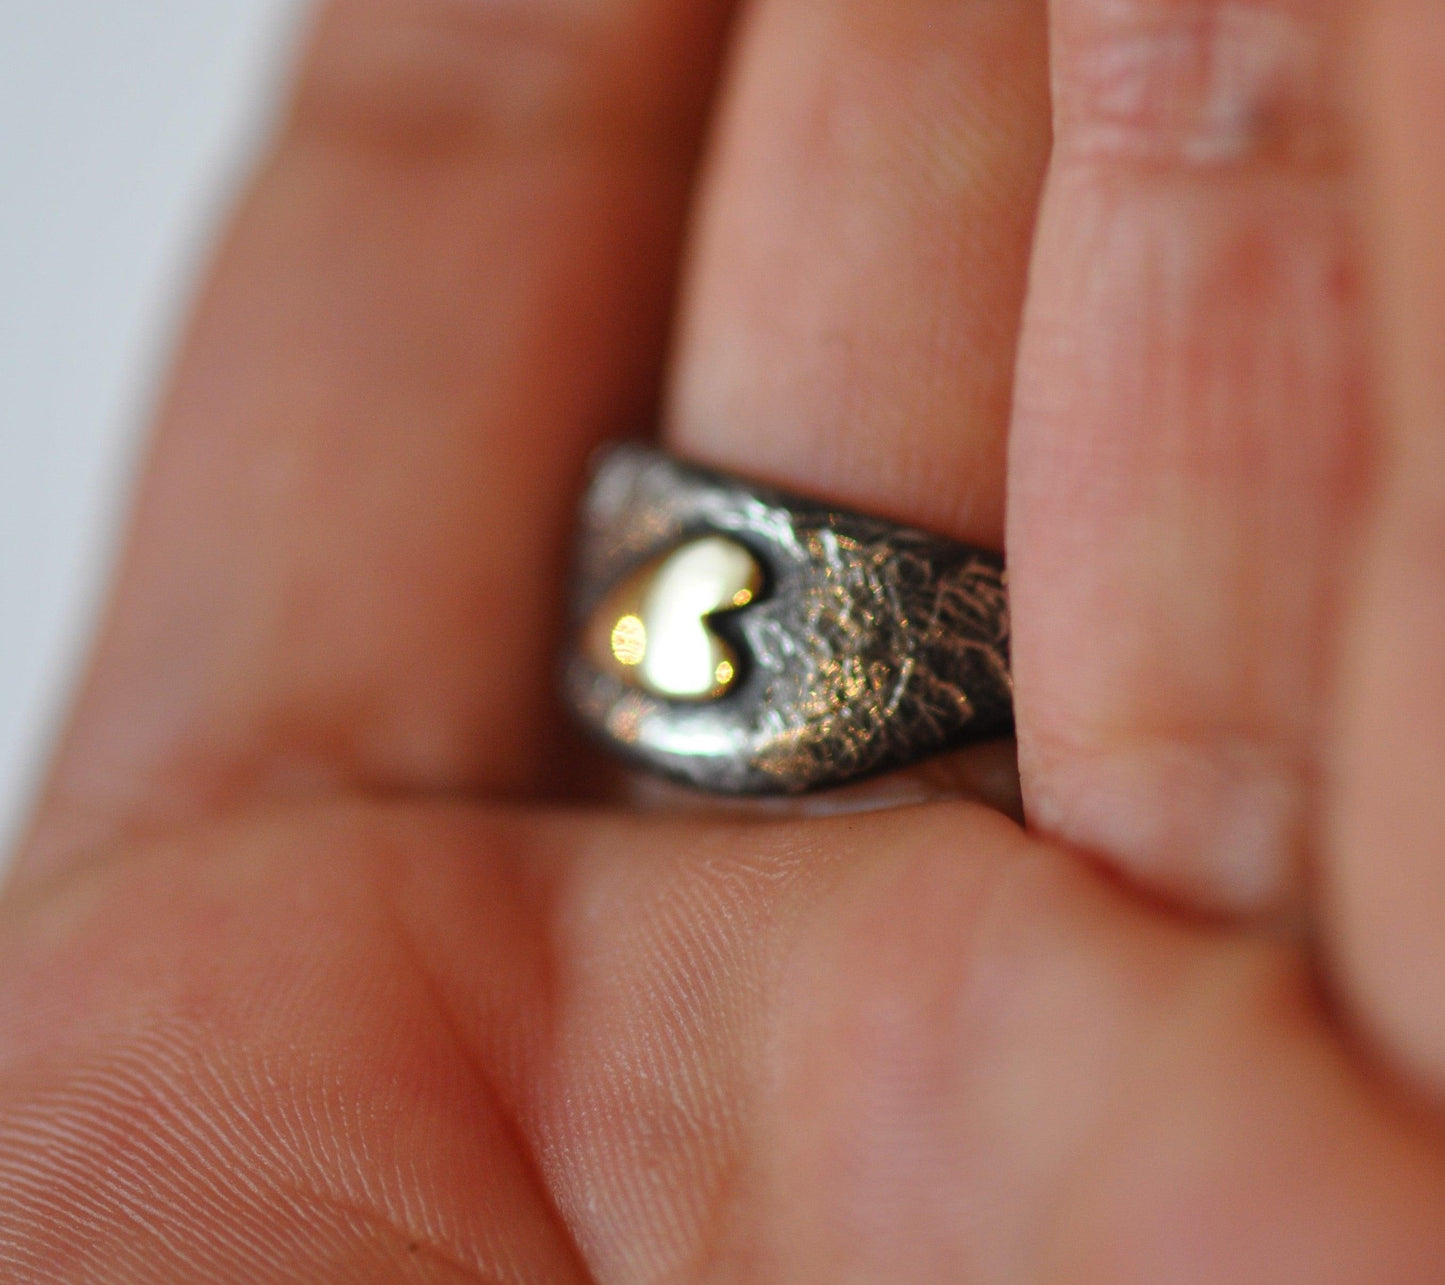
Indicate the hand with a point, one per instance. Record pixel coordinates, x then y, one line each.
303 979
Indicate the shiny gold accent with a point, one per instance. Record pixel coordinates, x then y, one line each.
653 631
629 641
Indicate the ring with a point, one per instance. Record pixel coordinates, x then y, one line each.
747 641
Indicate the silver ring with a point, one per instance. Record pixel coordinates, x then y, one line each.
747 641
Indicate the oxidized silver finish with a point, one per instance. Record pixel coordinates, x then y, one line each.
870 647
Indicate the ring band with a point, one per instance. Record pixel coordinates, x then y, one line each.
747 641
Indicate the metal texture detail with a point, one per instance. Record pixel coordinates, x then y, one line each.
870 647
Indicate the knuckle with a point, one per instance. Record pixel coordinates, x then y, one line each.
1200 83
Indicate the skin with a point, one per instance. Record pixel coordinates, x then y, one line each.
316 964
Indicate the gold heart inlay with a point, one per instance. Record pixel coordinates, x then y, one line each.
653 632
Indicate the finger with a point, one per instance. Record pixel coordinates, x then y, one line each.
1387 874
852 306
397 1043
451 279
1187 448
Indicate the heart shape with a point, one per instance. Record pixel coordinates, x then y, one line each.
654 632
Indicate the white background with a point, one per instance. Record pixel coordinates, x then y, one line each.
123 127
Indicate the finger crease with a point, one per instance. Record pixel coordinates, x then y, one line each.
1200 85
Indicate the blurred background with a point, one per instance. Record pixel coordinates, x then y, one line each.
124 128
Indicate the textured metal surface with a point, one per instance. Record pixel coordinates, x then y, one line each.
872 646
